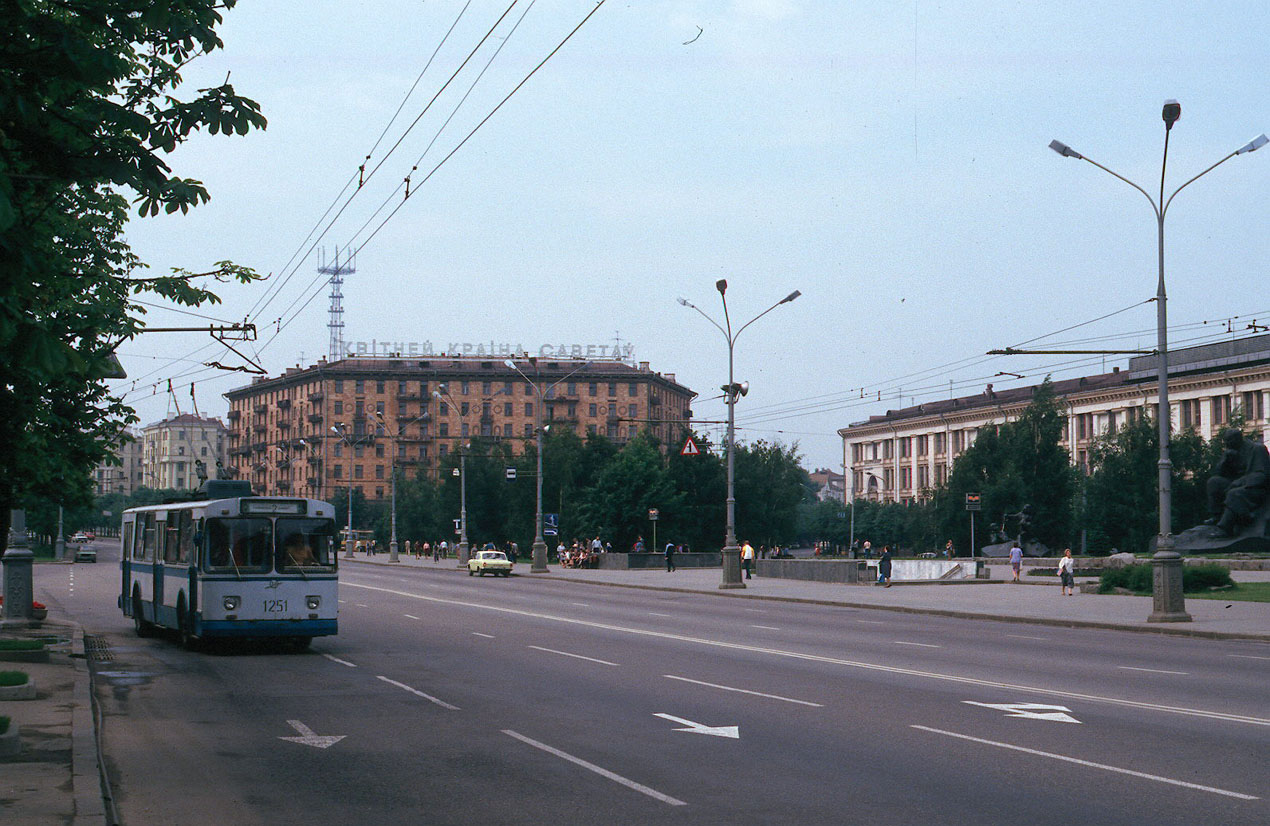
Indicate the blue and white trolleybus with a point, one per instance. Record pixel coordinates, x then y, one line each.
231 565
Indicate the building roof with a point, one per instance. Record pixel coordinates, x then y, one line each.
187 419
1245 352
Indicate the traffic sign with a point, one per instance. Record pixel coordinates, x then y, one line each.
972 502
511 473
690 448
652 514
551 520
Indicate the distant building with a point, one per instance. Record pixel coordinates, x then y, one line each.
831 484
124 477
170 448
903 454
320 430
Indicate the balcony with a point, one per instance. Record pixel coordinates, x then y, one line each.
259 428
284 404
234 415
315 418
317 397
283 424
239 451
260 409
284 484
259 447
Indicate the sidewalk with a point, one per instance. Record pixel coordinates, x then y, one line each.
1037 601
55 778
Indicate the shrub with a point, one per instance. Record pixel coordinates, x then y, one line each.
1137 578
21 645
12 678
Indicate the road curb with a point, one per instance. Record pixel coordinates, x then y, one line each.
86 777
1173 631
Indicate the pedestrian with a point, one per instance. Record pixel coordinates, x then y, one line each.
1066 573
670 557
512 552
948 550
445 550
639 545
884 567
596 546
747 559
1016 559
868 549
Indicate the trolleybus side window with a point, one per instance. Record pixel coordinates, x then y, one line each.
185 550
305 543
126 538
145 548
172 541
239 544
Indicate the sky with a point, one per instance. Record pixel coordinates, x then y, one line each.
889 160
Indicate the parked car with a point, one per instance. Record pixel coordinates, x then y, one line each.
493 562
86 555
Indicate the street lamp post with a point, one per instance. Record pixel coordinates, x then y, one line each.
1168 602
731 552
539 564
464 547
392 469
348 538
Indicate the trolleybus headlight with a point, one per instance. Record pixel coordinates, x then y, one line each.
231 603
313 602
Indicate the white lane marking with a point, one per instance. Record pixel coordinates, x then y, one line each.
479 634
671 616
756 610
1247 657
1026 637
308 738
410 616
731 732
338 660
872 622
575 656
1031 711
766 627
1090 764
361 605
1152 670
581 604
427 697
798 655
744 691
919 644
578 761
343 601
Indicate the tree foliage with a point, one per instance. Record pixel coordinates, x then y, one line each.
88 105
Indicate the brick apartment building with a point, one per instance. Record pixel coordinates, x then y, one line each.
315 431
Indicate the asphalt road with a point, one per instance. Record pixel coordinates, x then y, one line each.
461 700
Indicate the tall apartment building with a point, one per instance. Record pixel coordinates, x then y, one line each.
124 477
170 448
903 454
317 431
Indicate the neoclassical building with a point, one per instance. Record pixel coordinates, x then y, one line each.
901 455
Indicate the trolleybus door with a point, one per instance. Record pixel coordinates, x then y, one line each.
160 535
125 564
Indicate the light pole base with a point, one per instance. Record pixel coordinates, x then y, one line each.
465 553
731 568
1166 584
392 552
539 564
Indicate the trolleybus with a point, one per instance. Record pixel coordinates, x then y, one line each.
231 565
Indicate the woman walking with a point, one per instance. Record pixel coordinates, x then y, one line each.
1066 573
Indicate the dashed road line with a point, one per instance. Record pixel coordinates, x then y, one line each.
671 616
1026 637
918 644
602 772
567 654
1157 778
1248 657
341 662
1152 670
766 627
479 634
419 693
744 691
410 616
871 622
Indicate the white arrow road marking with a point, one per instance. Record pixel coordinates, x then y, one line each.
1091 765
697 728
308 738
1031 711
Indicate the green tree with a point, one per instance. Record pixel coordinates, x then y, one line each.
1018 463
88 104
700 520
634 482
770 484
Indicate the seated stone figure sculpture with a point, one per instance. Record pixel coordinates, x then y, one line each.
1239 484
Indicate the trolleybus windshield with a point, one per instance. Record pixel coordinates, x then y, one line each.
305 544
241 544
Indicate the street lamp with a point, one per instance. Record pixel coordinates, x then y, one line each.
1168 602
731 552
348 538
539 565
392 507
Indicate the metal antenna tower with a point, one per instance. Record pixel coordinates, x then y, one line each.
335 324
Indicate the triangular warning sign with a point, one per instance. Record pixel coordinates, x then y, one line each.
690 448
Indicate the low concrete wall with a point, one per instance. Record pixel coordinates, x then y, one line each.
630 562
845 571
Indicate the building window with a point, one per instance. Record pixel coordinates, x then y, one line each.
339 450
443 429
1221 410
463 388
592 388
339 407
443 409
922 445
591 410
905 446
180 451
507 408
379 471
379 386
573 388
464 430
360 386
633 411
612 389
463 408
939 444
423 391
359 408
906 478
941 473
1252 406
358 450
923 477
529 430
507 388
887 448
529 408
633 389
507 430
379 449
1189 412
379 408
357 471
339 385
423 451
486 388
379 493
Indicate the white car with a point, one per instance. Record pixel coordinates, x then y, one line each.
489 562
86 554
79 537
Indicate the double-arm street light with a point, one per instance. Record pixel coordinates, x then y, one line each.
539 565
1168 603
443 395
731 552
393 434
